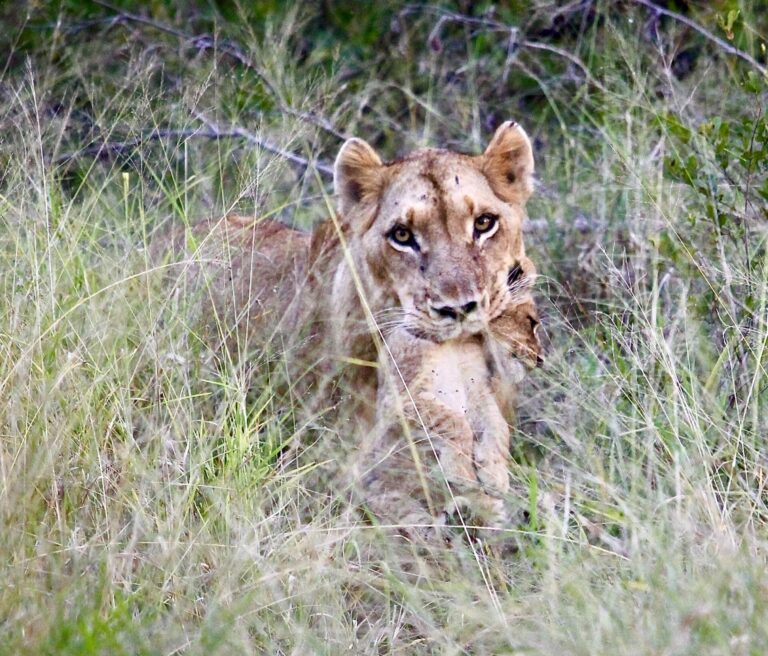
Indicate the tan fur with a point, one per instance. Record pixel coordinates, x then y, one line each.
250 276
452 461
512 343
260 280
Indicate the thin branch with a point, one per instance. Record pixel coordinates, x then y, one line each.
513 37
705 33
242 133
212 131
233 51
536 45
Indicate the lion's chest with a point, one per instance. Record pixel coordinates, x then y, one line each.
456 374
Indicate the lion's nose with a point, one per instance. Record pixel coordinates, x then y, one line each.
456 312
468 308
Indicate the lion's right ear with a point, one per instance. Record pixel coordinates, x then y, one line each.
358 175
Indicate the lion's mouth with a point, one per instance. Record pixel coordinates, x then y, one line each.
435 326
444 331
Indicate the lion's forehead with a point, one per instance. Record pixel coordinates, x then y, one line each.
442 188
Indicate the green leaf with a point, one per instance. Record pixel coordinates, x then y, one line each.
754 83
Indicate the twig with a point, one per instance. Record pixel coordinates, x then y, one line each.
234 52
536 45
513 40
242 133
213 131
705 33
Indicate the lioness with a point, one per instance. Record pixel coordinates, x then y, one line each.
423 245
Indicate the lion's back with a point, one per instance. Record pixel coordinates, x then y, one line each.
247 276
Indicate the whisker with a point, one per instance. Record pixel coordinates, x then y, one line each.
390 313
391 310
523 283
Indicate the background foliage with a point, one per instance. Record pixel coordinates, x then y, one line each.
145 506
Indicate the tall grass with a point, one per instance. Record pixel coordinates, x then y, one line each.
160 497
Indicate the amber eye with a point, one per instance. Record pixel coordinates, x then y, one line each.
403 237
485 223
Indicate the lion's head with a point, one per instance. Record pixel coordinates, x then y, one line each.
516 330
436 234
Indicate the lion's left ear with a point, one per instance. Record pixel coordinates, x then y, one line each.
508 163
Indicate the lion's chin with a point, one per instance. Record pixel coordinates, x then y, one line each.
445 333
